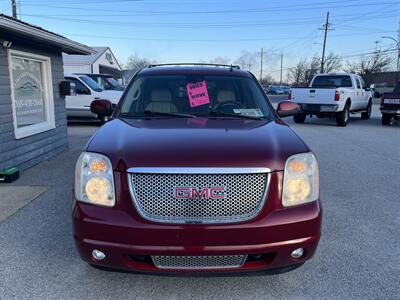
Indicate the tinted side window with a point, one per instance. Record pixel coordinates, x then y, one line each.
397 88
362 83
358 83
79 88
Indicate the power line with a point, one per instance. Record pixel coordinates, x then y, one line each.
175 25
311 6
294 39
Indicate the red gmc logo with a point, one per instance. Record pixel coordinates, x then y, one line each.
200 193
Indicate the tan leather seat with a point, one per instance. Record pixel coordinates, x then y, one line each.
161 102
225 96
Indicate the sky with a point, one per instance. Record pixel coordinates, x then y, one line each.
202 30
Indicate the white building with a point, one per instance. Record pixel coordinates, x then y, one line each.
101 62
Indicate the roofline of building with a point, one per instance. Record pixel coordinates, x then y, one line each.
23 28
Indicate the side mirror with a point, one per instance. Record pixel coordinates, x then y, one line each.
103 108
65 88
287 109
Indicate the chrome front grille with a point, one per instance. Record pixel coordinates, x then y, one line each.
199 262
154 194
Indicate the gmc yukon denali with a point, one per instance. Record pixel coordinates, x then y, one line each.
196 172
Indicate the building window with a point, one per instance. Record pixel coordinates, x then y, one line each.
31 93
109 58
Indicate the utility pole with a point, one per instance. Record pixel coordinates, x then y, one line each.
281 68
325 28
261 63
250 66
14 8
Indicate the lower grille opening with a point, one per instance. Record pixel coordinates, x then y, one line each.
199 262
203 262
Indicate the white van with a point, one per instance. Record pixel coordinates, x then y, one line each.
83 91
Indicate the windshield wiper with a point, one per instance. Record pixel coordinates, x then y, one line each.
221 113
150 113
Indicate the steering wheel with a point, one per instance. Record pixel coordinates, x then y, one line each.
228 105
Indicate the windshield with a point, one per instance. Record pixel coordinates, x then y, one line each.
112 81
91 83
332 81
196 95
107 83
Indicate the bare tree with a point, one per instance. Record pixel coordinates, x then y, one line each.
135 62
313 69
352 67
298 73
267 79
368 65
333 62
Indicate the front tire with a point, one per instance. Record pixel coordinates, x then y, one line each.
342 117
299 118
367 114
386 118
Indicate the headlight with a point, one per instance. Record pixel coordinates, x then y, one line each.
94 180
300 180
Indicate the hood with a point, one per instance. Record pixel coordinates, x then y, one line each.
111 95
196 143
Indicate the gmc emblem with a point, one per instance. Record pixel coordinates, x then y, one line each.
200 193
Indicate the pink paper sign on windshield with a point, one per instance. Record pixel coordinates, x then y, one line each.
197 93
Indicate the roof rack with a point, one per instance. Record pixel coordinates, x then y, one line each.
195 64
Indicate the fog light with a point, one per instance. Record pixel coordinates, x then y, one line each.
98 255
297 253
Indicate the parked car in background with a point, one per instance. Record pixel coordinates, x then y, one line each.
333 95
84 90
285 89
196 172
275 90
390 105
106 82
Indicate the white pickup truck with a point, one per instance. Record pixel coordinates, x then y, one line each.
84 90
333 95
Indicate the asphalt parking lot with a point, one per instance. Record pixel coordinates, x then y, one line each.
358 256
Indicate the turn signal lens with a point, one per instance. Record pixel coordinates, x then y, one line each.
301 180
297 166
97 166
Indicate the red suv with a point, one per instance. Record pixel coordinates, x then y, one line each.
196 172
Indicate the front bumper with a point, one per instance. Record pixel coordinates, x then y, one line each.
392 111
318 108
128 240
